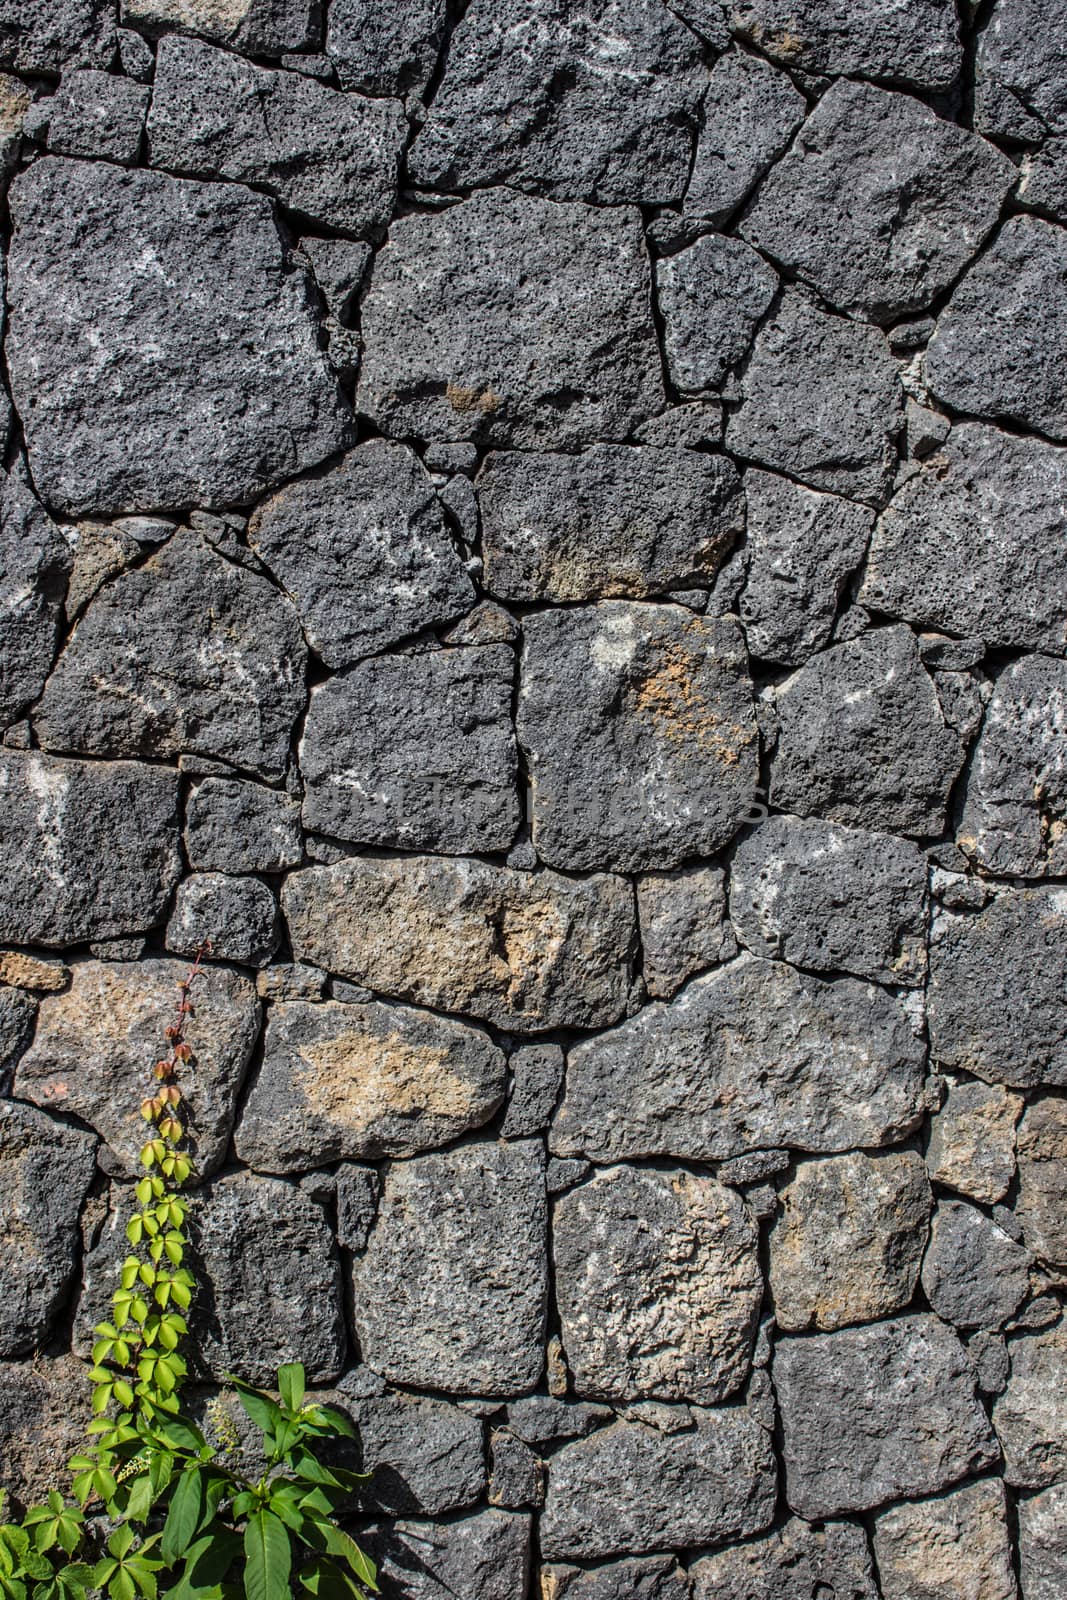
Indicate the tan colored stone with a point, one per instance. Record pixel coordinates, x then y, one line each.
683 925
956 1547
21 971
1042 1203
972 1140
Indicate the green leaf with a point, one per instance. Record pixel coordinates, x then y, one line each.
180 1434
268 1558
122 1586
337 1421
259 1407
292 1385
346 1549
326 1580
183 1518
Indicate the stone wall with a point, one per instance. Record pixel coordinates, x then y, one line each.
538 530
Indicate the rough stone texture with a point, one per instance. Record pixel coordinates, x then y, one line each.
330 157
458 346
58 821
972 1139
632 1488
233 826
682 916
848 1240
1031 1415
640 733
487 1555
426 1457
831 898
96 114
875 1414
260 27
44 1411
750 114
218 336
711 297
451 1291
362 551
373 1080
821 401
598 104
863 739
791 1561
18 1013
653 1578
384 50
658 1286
415 751
1043 1544
916 43
45 1172
866 155
750 1057
235 918
996 991
49 35
945 555
1020 86
520 950
536 1077
973 1274
947 1548
613 522
1042 1203
34 562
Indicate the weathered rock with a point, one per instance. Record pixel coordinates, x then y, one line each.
45 1172
917 43
658 1286
235 919
526 951
517 1476
750 1057
233 826
87 849
329 157
425 1456
34 562
1042 1204
848 1240
18 1013
258 27
95 1045
632 1488
49 35
185 653
1031 1415
362 550
598 104
791 1561
942 1549
1020 83
750 114
879 204
415 751
536 1077
682 916
451 1291
385 50
878 1413
99 374
974 1275
653 1578
821 400
487 1555
945 555
711 296
460 346
100 551
802 546
44 1412
863 739
541 1420
1018 287
344 1082
1043 1544
639 727
614 521
972 1140
96 115
1043 182
831 898
997 979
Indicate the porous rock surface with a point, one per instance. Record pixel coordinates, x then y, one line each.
532 538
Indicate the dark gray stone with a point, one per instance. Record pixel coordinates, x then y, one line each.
831 898
135 56
541 1420
517 1477
416 752
452 1289
714 1074
640 732
18 1013
879 204
658 1286
385 50
189 344
425 1456
944 553
1020 90
917 43
363 552
101 550
1043 181
486 1555
875 1414
357 1191
821 400
97 115
339 266
44 1412
684 427
863 739
185 653
49 35
536 1077
974 1275
87 849
95 1044
614 521
345 1082
1031 1415
1019 286
330 157
233 826
45 1172
682 915
458 345
972 1139
793 1561
802 546
257 27
711 296
35 560
750 114
598 104
997 981
1043 1544
651 1578
236 919
632 1488
1041 1206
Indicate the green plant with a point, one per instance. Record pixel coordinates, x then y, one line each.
156 1512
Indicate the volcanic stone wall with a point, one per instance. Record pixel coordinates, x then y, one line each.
539 530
